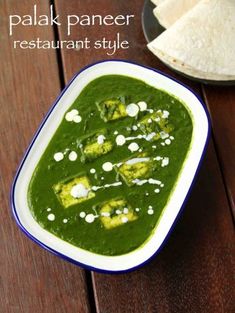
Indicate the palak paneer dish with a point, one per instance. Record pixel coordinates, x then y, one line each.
107 174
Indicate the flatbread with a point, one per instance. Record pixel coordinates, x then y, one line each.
201 43
157 2
169 11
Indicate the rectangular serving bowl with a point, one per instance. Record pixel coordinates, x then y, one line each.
136 258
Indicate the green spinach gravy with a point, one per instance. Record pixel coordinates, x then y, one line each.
106 175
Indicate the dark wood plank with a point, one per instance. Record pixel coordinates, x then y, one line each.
221 103
193 273
32 280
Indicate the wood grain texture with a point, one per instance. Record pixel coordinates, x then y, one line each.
31 279
194 272
221 103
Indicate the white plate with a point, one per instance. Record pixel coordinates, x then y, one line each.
46 131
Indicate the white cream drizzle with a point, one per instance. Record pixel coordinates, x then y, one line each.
132 109
107 166
125 210
79 191
70 115
105 214
150 212
140 182
73 116
165 114
133 147
154 181
90 218
142 105
51 217
164 135
136 160
77 119
73 156
58 156
124 219
100 139
95 188
121 140
158 158
165 161
150 181
82 214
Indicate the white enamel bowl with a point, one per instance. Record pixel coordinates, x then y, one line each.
178 197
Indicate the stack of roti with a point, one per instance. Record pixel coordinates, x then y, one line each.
169 11
157 2
200 37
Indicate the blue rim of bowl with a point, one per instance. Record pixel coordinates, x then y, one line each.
63 256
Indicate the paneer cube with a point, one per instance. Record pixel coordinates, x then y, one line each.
116 212
112 109
140 167
73 191
155 123
94 146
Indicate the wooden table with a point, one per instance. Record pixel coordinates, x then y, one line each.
195 270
